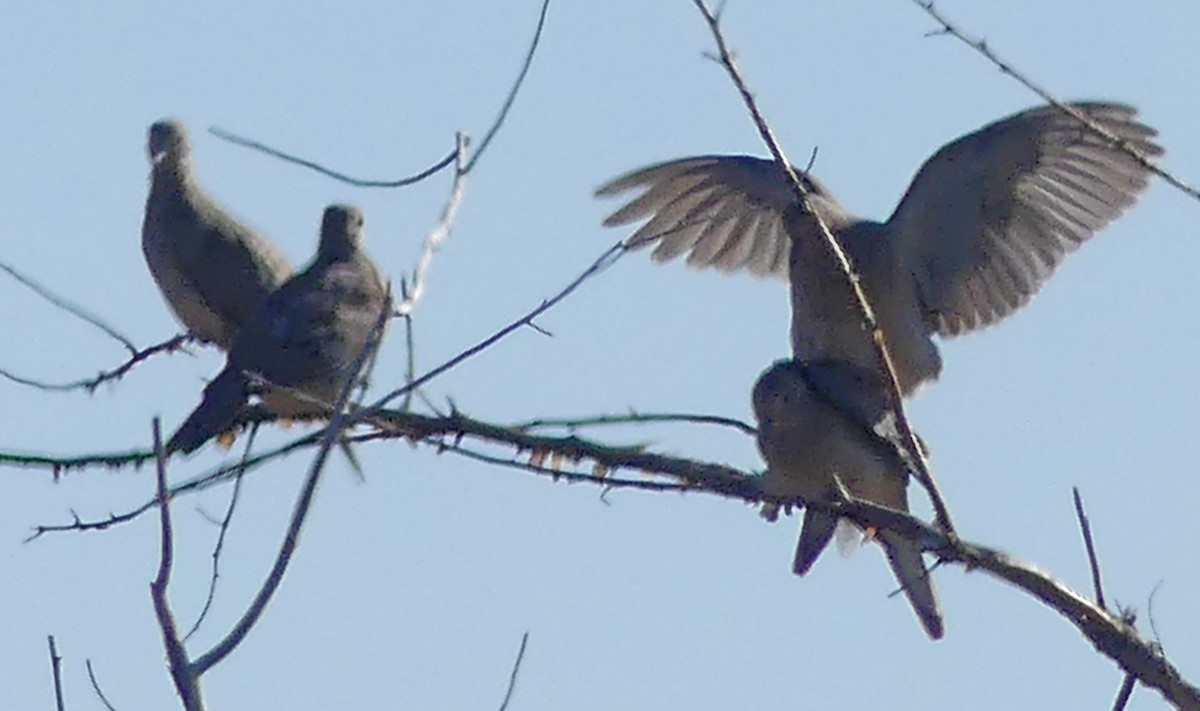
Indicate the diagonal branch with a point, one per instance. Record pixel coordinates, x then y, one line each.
512 93
981 46
170 345
923 473
71 308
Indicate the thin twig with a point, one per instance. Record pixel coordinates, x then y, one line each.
981 46
329 436
56 671
410 361
359 182
224 529
573 423
177 660
923 473
71 308
512 676
1124 692
439 233
1090 546
96 686
605 261
90 384
512 93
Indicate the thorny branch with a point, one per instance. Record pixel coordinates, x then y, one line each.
170 345
981 46
923 473
1112 635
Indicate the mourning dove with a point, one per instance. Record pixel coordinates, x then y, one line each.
213 271
306 337
983 225
820 419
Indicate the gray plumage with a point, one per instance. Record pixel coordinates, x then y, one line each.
819 419
306 336
213 271
984 223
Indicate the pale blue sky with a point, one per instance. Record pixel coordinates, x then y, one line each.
413 589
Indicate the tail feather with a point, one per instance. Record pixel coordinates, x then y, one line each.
223 398
909 568
815 533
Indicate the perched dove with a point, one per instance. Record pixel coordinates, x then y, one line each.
984 224
306 337
819 419
213 271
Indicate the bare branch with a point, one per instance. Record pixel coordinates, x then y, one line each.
981 46
1124 692
512 93
71 308
224 529
923 474
512 677
573 423
603 262
438 234
359 182
177 660
96 687
1094 563
1112 635
56 671
90 384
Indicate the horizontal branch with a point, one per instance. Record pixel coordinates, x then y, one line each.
1111 635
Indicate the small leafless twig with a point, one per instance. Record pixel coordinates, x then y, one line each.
90 384
96 687
1124 693
71 308
224 528
923 474
1093 562
512 93
981 46
336 175
512 677
603 262
573 423
181 670
56 670
415 288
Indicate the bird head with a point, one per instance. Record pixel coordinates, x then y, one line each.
166 141
778 390
341 231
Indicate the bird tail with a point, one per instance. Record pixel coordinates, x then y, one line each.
815 532
909 568
223 398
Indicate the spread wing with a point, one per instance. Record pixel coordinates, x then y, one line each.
990 216
725 212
